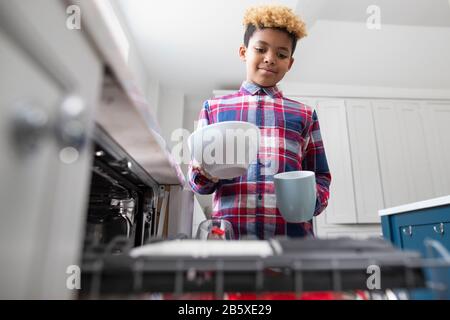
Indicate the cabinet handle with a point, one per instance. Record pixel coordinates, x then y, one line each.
439 229
30 126
408 231
69 127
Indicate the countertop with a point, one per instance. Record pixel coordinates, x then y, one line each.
416 206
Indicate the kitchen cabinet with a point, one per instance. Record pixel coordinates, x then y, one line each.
381 153
365 161
404 158
413 236
409 226
64 93
347 132
50 84
334 130
393 168
414 142
436 117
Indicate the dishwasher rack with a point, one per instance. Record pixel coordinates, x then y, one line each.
297 266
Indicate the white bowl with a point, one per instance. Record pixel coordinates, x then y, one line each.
225 149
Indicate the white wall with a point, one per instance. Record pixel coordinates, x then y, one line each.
348 53
193 105
198 216
170 112
152 95
148 86
181 208
135 61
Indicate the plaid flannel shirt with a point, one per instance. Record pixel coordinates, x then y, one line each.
290 140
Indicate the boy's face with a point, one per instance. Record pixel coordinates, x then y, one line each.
268 56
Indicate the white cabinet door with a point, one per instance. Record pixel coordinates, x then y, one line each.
43 192
437 115
414 143
333 124
25 175
394 174
364 155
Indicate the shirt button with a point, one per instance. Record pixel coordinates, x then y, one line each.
260 197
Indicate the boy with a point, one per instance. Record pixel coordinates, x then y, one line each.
249 202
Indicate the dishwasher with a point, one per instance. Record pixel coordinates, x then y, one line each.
286 269
124 257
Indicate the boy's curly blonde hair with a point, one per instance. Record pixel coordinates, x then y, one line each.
275 16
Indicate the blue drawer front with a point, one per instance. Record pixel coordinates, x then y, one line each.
409 230
412 237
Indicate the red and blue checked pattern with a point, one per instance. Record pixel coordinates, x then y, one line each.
290 141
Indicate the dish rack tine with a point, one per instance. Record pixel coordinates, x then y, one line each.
96 280
138 279
178 290
219 289
441 288
298 279
438 247
259 277
336 276
409 275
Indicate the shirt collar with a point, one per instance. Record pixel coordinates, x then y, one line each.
253 89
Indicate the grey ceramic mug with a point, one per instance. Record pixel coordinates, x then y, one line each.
296 195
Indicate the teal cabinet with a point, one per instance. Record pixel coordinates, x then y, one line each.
408 231
413 236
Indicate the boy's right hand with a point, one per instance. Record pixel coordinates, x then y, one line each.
196 165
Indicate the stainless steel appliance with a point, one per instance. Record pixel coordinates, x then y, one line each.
122 196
